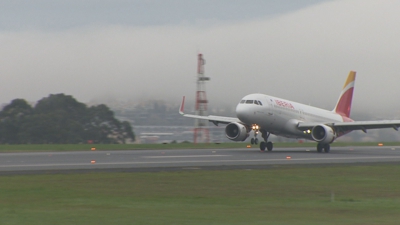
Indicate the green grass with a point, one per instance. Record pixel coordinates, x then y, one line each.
283 195
82 147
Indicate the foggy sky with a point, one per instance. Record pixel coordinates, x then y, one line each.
298 50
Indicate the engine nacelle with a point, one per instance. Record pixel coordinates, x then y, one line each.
323 134
236 131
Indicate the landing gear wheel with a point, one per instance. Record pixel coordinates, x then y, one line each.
265 144
256 141
319 147
269 146
262 146
252 141
327 148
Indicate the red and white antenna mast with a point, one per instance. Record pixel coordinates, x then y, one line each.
201 133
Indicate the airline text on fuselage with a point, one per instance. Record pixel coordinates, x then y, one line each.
284 104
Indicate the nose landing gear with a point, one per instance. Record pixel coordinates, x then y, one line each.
255 128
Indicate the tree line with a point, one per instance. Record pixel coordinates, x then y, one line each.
60 119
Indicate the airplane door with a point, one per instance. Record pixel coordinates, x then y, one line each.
270 113
301 115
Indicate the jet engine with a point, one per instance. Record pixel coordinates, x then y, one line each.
323 134
236 131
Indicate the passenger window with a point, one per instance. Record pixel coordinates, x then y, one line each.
249 102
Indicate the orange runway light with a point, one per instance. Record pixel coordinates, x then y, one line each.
288 157
248 146
93 149
380 144
93 161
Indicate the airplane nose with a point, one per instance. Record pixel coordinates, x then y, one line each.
241 112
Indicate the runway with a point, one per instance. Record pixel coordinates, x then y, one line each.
193 159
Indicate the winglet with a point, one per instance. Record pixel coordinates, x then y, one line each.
181 109
343 106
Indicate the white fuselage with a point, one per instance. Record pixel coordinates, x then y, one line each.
280 116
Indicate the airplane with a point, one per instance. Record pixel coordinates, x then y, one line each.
268 115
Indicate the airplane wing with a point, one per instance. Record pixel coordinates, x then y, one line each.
356 125
214 119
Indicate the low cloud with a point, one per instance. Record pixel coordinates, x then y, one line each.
304 56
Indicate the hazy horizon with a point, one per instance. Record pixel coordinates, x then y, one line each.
135 50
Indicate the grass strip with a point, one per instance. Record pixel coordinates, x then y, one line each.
318 195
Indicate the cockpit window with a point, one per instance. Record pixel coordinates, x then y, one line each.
244 101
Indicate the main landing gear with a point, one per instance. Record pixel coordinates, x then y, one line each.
267 144
323 147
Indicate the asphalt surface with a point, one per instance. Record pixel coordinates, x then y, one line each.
193 159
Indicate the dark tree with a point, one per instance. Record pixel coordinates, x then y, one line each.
106 128
12 118
61 119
